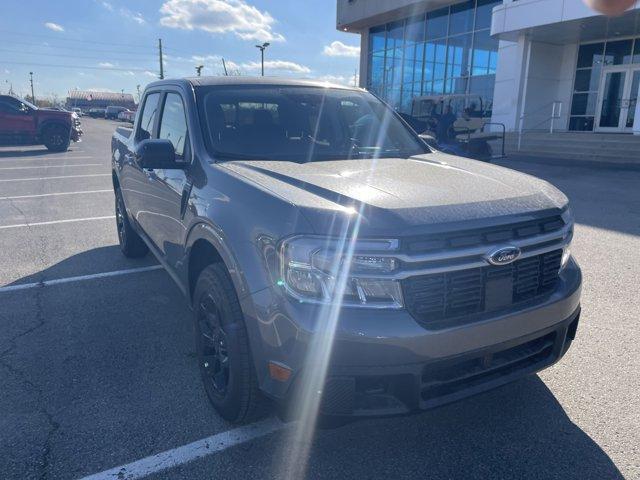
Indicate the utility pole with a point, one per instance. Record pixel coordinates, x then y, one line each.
138 90
199 69
224 65
262 48
33 97
161 59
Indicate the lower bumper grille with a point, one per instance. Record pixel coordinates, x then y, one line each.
436 300
440 380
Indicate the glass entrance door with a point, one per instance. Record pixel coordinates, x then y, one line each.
617 100
633 100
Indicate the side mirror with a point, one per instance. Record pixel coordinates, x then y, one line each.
157 153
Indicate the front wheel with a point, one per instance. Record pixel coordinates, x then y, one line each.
131 244
56 138
222 346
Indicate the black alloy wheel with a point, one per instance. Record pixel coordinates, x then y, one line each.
213 353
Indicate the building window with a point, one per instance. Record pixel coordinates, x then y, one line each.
446 51
592 59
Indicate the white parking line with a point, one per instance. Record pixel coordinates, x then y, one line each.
53 166
52 222
43 157
17 197
80 278
52 178
188 453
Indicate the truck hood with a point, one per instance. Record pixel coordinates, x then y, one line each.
45 113
400 195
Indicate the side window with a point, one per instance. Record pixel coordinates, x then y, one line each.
145 128
9 105
173 125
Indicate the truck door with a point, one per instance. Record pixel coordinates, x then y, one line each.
17 121
137 183
172 187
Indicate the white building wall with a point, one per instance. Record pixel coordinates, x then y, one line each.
510 77
515 16
531 76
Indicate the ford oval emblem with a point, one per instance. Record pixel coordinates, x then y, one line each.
504 256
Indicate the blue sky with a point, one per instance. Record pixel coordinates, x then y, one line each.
112 44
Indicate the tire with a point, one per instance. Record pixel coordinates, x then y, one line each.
131 245
222 346
56 138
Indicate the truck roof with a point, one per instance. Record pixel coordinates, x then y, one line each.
241 80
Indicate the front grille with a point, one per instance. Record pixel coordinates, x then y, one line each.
439 379
483 236
437 300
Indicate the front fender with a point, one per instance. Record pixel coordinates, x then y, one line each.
46 123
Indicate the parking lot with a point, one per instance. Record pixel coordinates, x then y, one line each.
98 370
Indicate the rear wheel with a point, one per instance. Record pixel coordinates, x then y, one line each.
56 138
222 345
131 244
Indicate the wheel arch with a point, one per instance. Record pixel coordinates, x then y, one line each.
206 245
51 123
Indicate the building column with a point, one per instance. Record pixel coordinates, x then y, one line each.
364 59
511 77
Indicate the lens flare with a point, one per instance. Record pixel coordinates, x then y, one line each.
308 395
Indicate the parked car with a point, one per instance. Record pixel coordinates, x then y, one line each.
127 116
97 112
312 231
111 113
22 123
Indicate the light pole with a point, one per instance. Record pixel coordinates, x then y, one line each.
262 48
33 97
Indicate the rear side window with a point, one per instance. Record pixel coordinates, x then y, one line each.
173 125
145 129
9 105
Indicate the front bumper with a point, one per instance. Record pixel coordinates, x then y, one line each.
384 362
76 133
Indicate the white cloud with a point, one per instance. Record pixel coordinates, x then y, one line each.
107 5
278 65
106 64
54 26
206 58
339 49
135 16
99 89
220 16
346 80
149 73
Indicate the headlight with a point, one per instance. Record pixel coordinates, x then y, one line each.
311 269
567 216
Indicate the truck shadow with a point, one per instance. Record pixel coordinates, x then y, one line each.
32 153
517 431
96 260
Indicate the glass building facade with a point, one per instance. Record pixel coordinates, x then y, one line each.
446 51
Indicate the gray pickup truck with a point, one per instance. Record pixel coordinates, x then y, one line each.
323 246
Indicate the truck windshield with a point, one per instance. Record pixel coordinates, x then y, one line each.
301 124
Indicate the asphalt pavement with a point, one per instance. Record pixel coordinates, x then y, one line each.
98 372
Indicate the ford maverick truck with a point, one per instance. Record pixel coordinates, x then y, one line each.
315 235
